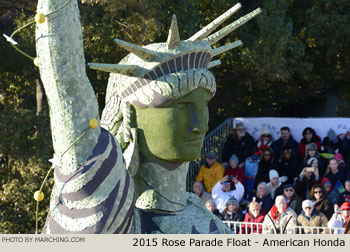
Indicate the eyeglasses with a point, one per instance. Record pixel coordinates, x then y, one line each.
288 190
317 191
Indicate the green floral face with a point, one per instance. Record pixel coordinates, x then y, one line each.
176 132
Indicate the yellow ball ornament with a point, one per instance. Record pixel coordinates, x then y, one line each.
40 18
93 123
36 61
38 195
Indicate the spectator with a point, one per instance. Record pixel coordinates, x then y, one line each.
333 173
312 152
330 192
265 137
307 178
240 143
309 136
330 143
254 215
310 217
321 203
285 139
274 183
222 191
287 165
211 206
198 189
340 219
292 199
234 170
232 213
344 145
344 196
263 197
280 219
265 165
341 162
211 172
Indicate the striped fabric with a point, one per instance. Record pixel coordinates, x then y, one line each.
97 198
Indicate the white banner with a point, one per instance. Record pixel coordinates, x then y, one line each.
296 125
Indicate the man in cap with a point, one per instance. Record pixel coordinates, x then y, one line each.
210 172
222 192
340 218
241 143
310 217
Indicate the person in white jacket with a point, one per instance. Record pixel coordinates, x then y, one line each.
340 218
222 192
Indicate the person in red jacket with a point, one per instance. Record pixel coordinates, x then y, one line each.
234 170
254 215
309 136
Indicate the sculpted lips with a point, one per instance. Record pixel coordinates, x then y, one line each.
195 142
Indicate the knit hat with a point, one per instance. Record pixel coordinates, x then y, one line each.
311 146
339 157
264 130
306 203
286 147
211 155
273 174
232 201
345 206
235 158
311 160
240 125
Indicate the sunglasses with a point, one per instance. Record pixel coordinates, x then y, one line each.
317 191
308 133
265 135
267 155
288 190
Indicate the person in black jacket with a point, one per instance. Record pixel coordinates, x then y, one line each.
240 143
265 165
288 163
285 139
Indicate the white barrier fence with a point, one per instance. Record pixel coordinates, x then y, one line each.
260 228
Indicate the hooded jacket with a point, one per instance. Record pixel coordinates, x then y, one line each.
252 228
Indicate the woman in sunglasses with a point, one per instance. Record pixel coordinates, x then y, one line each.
265 165
320 201
293 200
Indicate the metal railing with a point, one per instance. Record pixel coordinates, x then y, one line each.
213 141
260 228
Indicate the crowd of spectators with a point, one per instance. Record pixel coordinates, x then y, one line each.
281 183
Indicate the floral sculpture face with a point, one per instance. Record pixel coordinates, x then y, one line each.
169 86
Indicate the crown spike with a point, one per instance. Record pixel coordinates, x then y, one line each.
174 36
139 51
214 63
208 29
227 47
114 68
231 27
